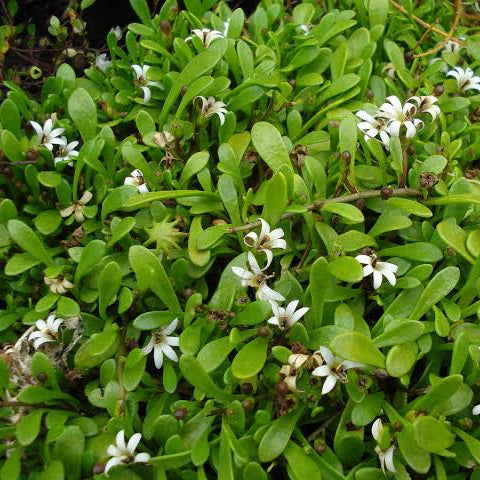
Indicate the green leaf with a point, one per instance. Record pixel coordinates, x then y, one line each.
388 223
120 229
319 276
472 443
349 213
411 206
197 257
277 436
69 448
300 465
275 199
269 144
108 285
26 238
134 369
403 332
19 263
250 359
194 164
29 427
98 348
368 409
440 392
353 240
357 347
140 7
346 269
214 353
416 457
154 319
11 146
196 376
151 274
378 12
438 287
47 222
91 255
401 358
420 252
432 435
253 314
455 237
83 112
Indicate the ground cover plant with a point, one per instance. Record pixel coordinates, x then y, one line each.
247 247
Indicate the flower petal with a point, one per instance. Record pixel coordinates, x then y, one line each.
327 355
133 442
329 384
169 352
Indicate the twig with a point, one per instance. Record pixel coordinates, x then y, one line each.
458 13
425 24
403 178
16 404
324 425
398 192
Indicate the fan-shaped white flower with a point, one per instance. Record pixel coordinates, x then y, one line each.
452 47
136 179
426 104
335 369
286 317
66 152
161 344
398 115
386 457
58 285
377 269
373 127
117 31
206 35
145 84
476 410
466 79
212 107
258 280
102 62
389 70
163 139
46 136
78 207
266 240
124 454
47 331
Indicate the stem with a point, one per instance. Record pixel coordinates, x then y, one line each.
425 24
16 404
398 192
449 36
403 179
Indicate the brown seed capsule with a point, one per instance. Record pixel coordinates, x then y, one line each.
386 193
408 57
360 203
370 94
166 28
472 173
180 413
428 180
438 90
246 388
346 156
381 375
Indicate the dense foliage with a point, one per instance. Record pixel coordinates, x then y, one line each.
247 248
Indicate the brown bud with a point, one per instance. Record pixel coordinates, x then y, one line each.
370 94
408 57
264 331
367 251
320 446
248 404
246 388
166 28
292 82
346 156
450 252
230 412
219 221
32 155
42 377
472 173
98 468
180 413
438 90
251 156
184 89
411 149
381 375
360 203
386 193
282 387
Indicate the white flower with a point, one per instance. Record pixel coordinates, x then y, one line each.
117 31
77 208
46 136
305 29
211 107
162 344
145 84
124 454
289 374
137 180
286 317
102 62
426 104
226 25
399 115
386 457
372 127
266 240
466 79
206 35
452 47
476 410
46 332
66 151
297 360
58 284
335 369
257 279
389 70
163 139
373 266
